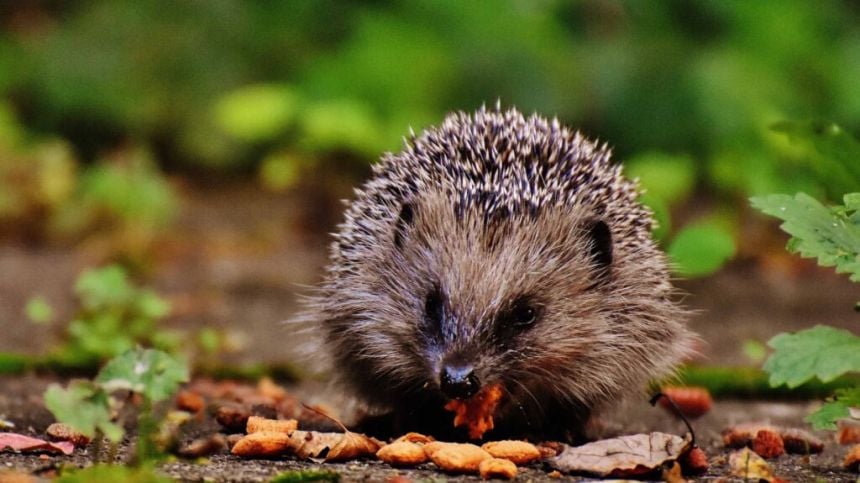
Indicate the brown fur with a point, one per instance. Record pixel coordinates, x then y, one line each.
500 208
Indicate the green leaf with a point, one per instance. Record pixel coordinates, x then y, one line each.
152 373
827 415
822 352
39 311
256 112
832 235
831 412
83 406
668 177
701 249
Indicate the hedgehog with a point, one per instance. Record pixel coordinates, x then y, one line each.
497 249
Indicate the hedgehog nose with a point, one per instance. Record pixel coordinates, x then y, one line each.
458 382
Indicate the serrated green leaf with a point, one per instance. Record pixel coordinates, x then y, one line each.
829 235
701 249
152 373
83 406
822 352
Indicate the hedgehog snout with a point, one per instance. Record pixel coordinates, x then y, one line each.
458 381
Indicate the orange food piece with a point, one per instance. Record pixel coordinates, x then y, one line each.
692 401
64 432
257 424
415 438
476 412
695 462
497 468
402 453
852 459
849 432
190 401
768 444
458 457
262 444
518 452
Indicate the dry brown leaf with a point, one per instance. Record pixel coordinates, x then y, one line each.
352 446
402 453
625 456
332 446
256 424
673 474
497 468
19 442
750 466
519 452
458 457
476 412
262 444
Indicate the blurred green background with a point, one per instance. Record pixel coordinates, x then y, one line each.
136 132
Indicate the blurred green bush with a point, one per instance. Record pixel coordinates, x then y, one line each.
684 90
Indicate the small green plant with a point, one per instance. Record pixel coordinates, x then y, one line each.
830 234
306 476
114 316
149 375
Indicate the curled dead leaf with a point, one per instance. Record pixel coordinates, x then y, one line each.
625 456
353 446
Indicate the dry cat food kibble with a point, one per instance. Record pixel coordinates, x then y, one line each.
519 452
262 444
64 432
458 457
768 444
257 424
695 462
497 468
402 453
692 401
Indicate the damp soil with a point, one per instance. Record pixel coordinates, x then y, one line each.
20 403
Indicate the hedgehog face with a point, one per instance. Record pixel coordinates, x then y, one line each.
530 300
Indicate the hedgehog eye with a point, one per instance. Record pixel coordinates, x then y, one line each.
404 220
522 313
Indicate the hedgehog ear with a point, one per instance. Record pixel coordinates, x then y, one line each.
404 221
600 246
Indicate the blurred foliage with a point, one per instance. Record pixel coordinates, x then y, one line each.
115 315
684 90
